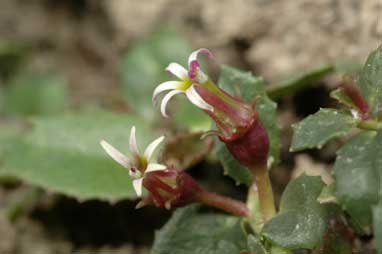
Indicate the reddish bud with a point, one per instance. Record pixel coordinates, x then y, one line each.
239 126
170 188
251 149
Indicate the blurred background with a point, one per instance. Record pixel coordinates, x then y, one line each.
75 71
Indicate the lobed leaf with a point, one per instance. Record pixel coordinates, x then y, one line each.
63 154
319 128
188 232
356 173
302 221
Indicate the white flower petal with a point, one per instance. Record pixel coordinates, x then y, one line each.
115 154
155 167
133 141
177 70
194 55
151 148
166 99
195 98
137 184
169 85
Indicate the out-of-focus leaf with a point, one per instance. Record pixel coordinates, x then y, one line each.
356 175
302 221
341 96
337 240
11 55
250 88
188 232
185 150
63 154
319 128
143 68
370 81
36 93
255 246
377 222
348 66
298 81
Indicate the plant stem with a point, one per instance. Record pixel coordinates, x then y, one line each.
224 203
370 125
264 188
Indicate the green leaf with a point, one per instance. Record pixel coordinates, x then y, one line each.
255 245
143 68
341 96
188 232
319 128
250 87
370 81
298 81
36 93
302 221
357 180
63 154
231 166
377 222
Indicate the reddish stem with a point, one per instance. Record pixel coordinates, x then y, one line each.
224 203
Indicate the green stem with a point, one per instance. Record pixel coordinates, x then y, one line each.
224 203
264 188
370 125
253 203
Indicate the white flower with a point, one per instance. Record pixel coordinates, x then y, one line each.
140 164
186 83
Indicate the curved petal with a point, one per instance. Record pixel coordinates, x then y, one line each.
195 99
155 167
151 148
137 184
133 141
169 85
115 154
194 55
166 99
177 70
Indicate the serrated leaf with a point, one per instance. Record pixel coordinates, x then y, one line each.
355 171
250 87
143 68
302 221
188 232
319 128
36 93
370 81
63 154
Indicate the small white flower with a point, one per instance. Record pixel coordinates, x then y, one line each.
186 83
140 164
